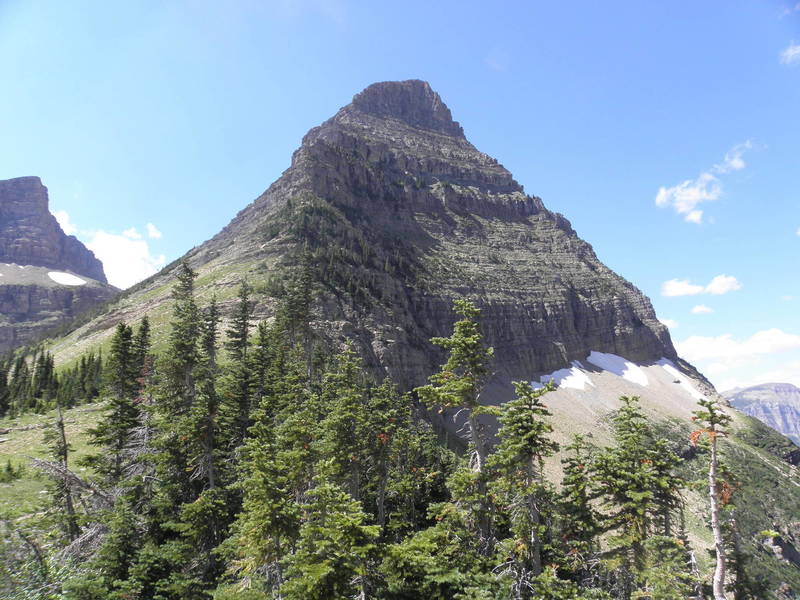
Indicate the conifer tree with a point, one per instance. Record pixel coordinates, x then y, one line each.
631 488
113 433
141 346
519 459
238 387
56 440
461 380
579 519
342 438
459 384
334 550
5 393
712 420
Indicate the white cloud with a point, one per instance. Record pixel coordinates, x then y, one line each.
798 231
787 298
680 287
126 261
733 160
791 54
725 350
132 233
153 232
63 219
702 309
721 284
685 197
671 323
787 372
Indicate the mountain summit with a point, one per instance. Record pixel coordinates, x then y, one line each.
413 102
398 214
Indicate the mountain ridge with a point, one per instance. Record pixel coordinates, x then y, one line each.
775 404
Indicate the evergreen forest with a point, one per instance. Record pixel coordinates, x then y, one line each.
255 462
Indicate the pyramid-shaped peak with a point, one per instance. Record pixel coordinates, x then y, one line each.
412 101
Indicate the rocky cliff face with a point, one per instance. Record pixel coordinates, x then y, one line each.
30 235
775 404
46 276
406 213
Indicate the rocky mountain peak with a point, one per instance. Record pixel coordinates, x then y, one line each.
30 235
412 102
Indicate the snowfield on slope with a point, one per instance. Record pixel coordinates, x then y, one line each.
66 278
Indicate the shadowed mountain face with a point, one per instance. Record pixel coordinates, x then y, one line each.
46 276
775 404
403 214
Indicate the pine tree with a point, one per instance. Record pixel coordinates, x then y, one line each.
630 482
459 384
334 550
113 433
579 520
712 419
56 440
141 347
519 461
343 430
238 387
461 380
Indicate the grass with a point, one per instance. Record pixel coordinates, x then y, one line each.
28 495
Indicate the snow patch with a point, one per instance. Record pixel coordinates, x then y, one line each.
65 278
572 377
682 380
618 366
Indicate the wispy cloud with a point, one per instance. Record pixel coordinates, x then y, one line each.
721 284
702 309
726 350
63 219
790 9
791 54
153 232
671 323
686 196
498 60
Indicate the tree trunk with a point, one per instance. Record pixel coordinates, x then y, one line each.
535 520
72 522
718 582
484 520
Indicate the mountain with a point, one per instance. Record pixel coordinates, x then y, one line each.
389 213
400 214
46 276
775 404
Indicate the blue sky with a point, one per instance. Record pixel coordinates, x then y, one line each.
153 123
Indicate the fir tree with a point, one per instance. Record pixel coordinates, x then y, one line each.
113 433
459 384
712 420
519 459
334 550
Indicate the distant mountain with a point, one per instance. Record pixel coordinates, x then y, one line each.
46 276
775 404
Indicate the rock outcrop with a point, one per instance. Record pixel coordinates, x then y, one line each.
46 276
30 235
774 404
